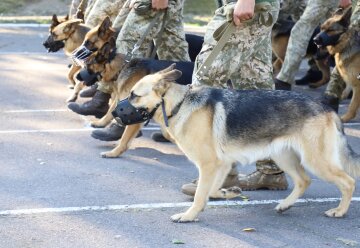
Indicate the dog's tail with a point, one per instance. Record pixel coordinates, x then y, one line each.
349 160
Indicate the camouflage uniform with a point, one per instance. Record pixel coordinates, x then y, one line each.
337 85
74 7
293 8
122 15
101 9
245 60
315 12
173 45
86 4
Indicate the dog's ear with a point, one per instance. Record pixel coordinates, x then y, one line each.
112 42
66 18
172 75
105 50
170 68
345 19
54 21
104 26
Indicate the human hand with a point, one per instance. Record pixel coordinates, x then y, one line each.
344 3
159 4
243 11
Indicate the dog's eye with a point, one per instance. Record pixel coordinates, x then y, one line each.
132 96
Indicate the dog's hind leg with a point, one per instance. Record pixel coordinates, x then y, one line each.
290 163
354 105
207 175
218 192
325 71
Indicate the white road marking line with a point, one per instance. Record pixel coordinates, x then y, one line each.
159 205
65 130
35 110
351 124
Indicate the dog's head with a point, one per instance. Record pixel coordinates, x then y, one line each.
60 33
333 28
146 97
97 65
94 40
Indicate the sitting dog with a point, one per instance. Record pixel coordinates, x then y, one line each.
68 35
217 127
342 41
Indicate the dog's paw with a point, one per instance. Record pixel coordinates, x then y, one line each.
109 155
182 218
282 207
335 212
231 192
70 86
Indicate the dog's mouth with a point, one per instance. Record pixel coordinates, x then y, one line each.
81 55
126 114
323 39
54 46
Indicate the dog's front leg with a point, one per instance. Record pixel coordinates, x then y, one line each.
207 175
128 135
72 71
106 119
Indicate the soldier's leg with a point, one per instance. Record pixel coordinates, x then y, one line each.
74 7
122 15
315 12
90 4
101 9
171 45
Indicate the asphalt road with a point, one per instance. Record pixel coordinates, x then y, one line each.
51 172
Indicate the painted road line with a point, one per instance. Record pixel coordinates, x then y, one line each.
159 206
65 130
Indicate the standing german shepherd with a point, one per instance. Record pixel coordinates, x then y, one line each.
217 127
71 34
343 42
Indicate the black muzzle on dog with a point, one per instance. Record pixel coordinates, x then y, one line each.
126 114
81 55
323 39
88 77
52 45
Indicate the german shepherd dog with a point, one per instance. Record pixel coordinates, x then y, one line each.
112 68
71 34
343 41
217 127
279 39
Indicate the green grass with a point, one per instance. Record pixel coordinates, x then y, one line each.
10 5
199 12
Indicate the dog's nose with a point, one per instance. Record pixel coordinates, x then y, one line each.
318 40
46 44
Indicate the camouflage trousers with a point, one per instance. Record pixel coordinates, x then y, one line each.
75 4
245 59
315 13
171 44
293 8
101 9
336 84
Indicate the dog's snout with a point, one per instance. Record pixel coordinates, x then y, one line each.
318 40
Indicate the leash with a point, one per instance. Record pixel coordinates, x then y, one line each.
138 44
224 32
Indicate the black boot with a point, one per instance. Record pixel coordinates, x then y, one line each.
89 92
311 76
97 106
111 133
331 101
281 85
159 137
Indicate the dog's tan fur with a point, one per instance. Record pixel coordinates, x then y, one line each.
318 146
73 32
347 57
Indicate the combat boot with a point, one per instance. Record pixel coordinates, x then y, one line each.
97 106
230 181
260 180
111 133
89 92
159 137
311 76
281 85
